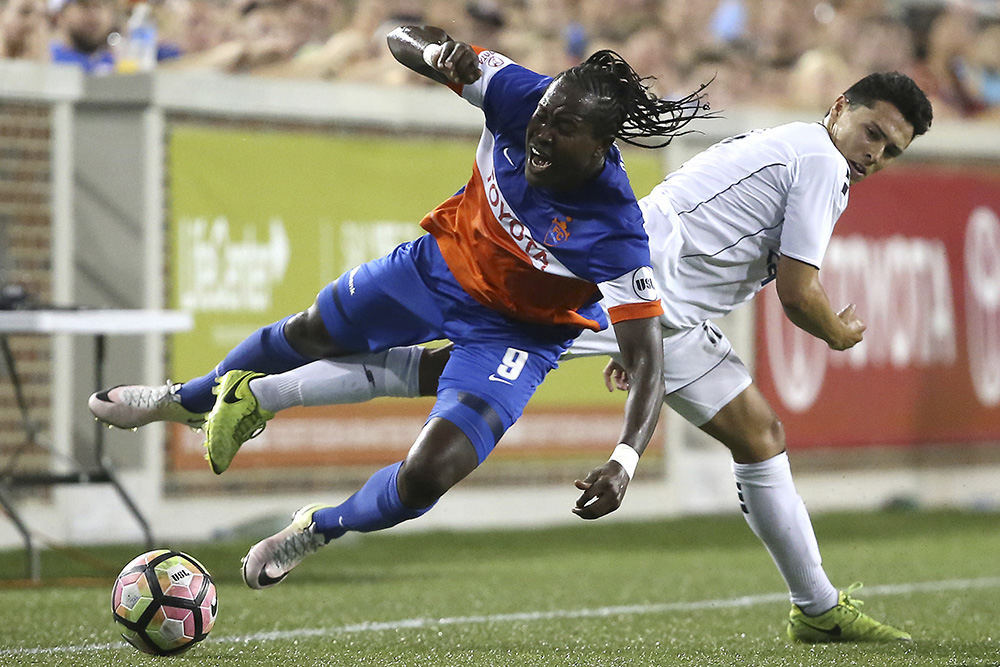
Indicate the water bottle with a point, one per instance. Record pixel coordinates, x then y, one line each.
140 44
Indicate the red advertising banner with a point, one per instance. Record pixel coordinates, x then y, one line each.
918 251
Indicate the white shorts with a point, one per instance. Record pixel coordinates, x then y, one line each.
701 372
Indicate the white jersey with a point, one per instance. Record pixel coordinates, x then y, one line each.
717 225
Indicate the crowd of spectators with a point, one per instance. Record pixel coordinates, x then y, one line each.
770 52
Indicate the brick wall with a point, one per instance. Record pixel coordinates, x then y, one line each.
25 237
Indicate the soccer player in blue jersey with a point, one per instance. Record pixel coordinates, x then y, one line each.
511 271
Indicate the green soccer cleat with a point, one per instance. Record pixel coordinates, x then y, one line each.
236 418
844 623
270 560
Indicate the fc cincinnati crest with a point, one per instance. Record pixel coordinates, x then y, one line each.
558 232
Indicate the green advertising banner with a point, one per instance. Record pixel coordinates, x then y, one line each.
260 221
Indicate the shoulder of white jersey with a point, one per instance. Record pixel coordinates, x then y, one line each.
490 63
805 138
810 143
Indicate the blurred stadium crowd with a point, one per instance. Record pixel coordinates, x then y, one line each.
773 52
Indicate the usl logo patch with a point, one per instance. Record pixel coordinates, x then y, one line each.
642 283
558 232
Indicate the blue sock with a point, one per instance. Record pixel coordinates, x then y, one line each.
375 506
265 350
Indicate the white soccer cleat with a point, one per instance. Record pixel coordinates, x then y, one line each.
134 405
270 560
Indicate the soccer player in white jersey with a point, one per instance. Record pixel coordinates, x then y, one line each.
758 207
754 208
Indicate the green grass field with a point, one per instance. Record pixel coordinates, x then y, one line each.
697 591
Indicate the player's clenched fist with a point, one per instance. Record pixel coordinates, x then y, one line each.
854 329
457 61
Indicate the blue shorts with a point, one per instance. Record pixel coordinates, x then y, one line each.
410 296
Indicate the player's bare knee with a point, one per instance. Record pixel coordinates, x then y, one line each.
306 333
432 363
421 483
777 432
769 441
757 440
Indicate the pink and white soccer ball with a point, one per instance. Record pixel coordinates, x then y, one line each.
166 602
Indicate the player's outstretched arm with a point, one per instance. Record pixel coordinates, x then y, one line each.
805 303
430 51
641 345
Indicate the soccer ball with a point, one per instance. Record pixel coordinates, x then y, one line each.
166 602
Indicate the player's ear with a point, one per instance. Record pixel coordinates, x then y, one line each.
838 107
603 147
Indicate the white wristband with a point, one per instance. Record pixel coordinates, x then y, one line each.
627 458
431 52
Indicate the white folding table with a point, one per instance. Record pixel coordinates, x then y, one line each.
98 323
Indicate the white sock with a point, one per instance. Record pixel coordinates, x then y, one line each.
776 514
354 379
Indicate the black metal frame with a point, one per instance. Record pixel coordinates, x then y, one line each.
100 472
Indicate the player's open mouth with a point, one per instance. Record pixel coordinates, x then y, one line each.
857 169
538 161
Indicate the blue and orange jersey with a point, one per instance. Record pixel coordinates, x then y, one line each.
530 253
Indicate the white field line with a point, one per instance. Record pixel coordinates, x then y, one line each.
599 612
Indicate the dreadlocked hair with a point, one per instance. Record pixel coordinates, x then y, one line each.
626 109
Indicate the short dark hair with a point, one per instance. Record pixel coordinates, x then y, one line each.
626 109
898 90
